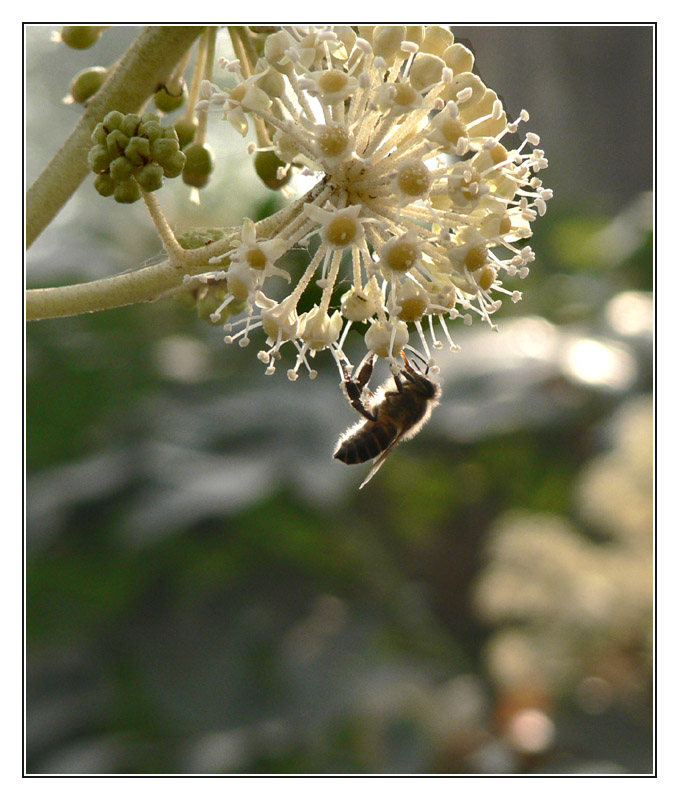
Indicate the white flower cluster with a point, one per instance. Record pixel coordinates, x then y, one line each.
420 206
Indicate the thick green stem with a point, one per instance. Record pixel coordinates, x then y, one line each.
147 64
130 287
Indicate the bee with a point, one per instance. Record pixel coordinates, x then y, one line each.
395 412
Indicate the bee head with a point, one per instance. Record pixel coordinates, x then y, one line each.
419 379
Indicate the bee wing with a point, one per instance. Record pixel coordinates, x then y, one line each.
377 463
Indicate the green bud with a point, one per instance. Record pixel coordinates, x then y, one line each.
186 130
87 83
173 167
98 159
209 301
138 150
121 169
150 177
104 184
191 240
149 116
167 101
163 149
113 120
186 298
200 162
80 37
236 306
151 129
99 134
170 133
127 191
266 166
130 124
116 142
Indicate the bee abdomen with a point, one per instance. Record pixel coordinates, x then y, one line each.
365 444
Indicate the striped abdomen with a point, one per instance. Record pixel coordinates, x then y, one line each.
367 442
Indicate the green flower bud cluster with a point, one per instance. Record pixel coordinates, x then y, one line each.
132 152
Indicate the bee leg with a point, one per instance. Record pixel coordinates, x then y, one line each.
354 391
365 371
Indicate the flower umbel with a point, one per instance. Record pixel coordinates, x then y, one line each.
421 201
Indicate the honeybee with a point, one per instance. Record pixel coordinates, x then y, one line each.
395 412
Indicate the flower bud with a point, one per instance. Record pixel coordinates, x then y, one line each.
127 191
138 150
152 130
87 83
209 300
186 130
130 124
162 150
186 298
200 162
174 166
121 169
80 37
267 166
167 101
150 177
99 134
104 184
192 240
98 159
113 120
116 142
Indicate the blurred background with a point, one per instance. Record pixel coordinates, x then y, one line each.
206 589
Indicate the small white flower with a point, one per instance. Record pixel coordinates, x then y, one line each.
358 305
259 255
387 339
399 98
279 320
340 227
331 85
400 254
318 329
